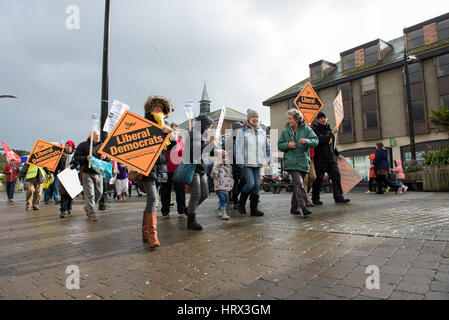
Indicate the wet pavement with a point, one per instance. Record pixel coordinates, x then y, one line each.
278 256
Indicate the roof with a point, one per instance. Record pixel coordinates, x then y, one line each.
231 114
205 96
393 60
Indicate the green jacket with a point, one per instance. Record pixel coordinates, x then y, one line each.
297 159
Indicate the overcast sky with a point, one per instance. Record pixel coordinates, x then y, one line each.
246 50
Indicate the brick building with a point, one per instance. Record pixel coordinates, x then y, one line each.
372 81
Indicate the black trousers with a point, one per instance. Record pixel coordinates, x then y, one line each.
237 189
333 173
372 184
165 192
384 180
66 203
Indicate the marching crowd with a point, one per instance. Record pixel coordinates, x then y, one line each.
309 153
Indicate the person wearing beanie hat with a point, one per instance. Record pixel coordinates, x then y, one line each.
200 138
321 115
251 147
326 155
65 206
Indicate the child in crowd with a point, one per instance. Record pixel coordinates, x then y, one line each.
223 182
372 175
399 176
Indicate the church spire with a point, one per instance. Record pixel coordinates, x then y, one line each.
205 101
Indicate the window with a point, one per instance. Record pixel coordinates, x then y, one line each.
370 119
316 73
443 65
345 91
418 110
415 39
368 85
346 125
348 62
443 29
444 101
414 72
371 54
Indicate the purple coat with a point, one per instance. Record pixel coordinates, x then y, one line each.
122 172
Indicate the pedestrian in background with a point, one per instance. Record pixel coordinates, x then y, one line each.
12 172
399 176
174 156
326 155
64 162
251 147
372 176
381 167
157 108
239 180
295 141
223 183
121 182
35 178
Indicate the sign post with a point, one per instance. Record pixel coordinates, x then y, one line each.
308 103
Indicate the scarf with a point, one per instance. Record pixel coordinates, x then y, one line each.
159 117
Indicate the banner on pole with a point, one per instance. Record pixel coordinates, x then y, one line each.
116 111
220 122
349 176
9 154
135 142
45 155
189 110
338 109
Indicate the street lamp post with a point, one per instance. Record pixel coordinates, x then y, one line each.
409 104
105 91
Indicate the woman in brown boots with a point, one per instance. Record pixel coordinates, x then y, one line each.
156 109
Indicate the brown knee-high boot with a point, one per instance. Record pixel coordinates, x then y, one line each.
144 236
150 229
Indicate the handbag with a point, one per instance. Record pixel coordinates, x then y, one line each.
134 175
184 173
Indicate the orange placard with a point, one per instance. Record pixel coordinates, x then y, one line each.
135 142
349 176
45 155
308 103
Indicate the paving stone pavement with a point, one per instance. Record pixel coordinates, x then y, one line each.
278 256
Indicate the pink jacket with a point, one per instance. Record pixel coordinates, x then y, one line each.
398 170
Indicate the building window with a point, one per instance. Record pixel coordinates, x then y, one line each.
418 110
443 65
346 125
316 73
370 119
368 85
444 101
371 54
348 62
414 72
415 39
443 29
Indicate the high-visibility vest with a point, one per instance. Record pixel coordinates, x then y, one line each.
32 172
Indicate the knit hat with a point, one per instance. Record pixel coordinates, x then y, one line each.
236 125
151 101
205 120
71 143
321 115
251 113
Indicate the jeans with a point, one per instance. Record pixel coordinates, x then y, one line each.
93 189
10 189
180 192
52 189
299 197
151 190
199 191
223 197
252 178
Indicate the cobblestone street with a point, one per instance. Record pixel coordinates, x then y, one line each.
278 256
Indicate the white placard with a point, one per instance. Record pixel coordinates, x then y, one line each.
220 122
116 111
189 110
71 182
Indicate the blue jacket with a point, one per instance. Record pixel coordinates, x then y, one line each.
381 160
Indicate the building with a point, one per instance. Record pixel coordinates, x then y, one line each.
372 81
230 116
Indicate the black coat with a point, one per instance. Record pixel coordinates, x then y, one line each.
81 154
325 150
159 171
